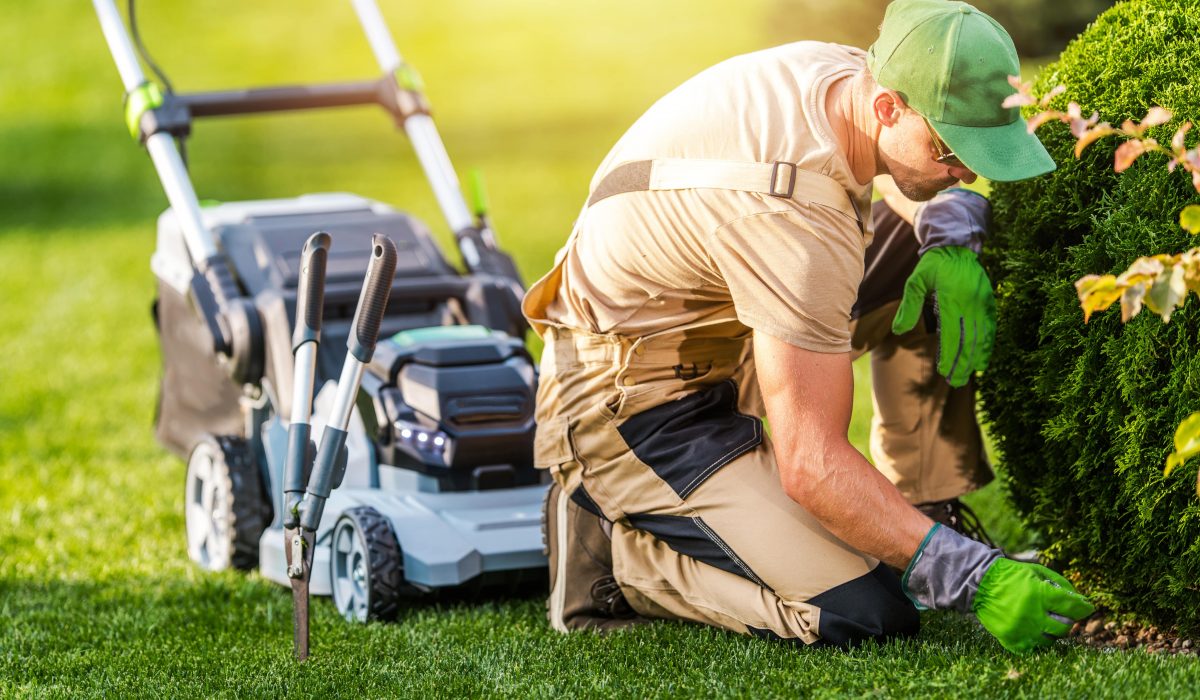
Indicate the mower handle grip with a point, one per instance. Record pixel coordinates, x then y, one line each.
310 296
373 301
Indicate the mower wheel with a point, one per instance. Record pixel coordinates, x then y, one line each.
366 567
225 509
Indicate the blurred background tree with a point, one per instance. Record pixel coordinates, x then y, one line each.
1038 27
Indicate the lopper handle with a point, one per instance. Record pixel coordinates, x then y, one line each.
373 300
310 297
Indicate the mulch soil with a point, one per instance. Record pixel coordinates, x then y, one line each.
1103 632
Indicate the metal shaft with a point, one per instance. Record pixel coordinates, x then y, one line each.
161 146
427 143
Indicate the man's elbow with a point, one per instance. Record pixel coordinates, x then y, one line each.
806 475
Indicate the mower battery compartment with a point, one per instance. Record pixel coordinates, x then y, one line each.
457 409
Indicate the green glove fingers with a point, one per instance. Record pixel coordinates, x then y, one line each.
1018 604
957 338
966 310
911 304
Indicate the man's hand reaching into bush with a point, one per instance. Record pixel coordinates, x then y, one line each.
1025 606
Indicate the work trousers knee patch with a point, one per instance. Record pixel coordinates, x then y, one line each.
872 606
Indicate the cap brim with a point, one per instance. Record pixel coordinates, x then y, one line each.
1000 153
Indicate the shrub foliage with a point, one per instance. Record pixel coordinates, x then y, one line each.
1037 27
1083 415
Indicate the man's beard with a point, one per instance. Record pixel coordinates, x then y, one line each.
919 191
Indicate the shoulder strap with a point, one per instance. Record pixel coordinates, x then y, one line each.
778 179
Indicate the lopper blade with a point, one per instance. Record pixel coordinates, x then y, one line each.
299 547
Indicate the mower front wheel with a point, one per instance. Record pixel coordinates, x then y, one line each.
225 510
366 567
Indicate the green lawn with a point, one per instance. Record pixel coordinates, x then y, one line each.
96 594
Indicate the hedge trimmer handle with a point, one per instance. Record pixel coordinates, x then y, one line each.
297 544
310 294
373 300
310 302
331 458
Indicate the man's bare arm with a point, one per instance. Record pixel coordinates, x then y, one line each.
809 397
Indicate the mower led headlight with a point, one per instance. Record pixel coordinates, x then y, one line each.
426 443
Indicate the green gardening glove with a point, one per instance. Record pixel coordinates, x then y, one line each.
966 310
1026 606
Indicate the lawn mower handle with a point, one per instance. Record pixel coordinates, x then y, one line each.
476 241
231 322
161 146
399 92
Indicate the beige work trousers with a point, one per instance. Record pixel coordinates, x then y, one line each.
662 437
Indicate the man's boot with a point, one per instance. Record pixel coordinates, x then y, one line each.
957 516
583 592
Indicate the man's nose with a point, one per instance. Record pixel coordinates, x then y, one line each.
963 173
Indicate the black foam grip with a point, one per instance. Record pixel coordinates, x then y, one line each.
298 458
310 296
373 300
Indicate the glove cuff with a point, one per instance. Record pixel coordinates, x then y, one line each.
945 572
955 217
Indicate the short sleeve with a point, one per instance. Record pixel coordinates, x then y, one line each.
793 274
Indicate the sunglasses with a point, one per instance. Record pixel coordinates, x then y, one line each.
945 155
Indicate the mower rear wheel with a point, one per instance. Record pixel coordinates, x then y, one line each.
225 509
366 567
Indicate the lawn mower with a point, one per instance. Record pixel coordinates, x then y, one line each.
422 393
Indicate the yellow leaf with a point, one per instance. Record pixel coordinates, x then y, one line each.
1096 293
1189 218
1190 262
1167 292
1131 301
1143 269
1187 443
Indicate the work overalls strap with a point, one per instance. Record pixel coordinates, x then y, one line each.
778 179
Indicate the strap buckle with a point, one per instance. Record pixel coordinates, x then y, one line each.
791 185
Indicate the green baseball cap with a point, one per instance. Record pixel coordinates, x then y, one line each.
950 62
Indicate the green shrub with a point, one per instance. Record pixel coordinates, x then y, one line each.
1083 415
1038 27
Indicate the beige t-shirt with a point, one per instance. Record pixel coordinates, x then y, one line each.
661 262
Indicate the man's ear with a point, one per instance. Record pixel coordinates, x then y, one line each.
888 106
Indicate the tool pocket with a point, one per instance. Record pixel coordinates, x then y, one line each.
687 440
552 447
